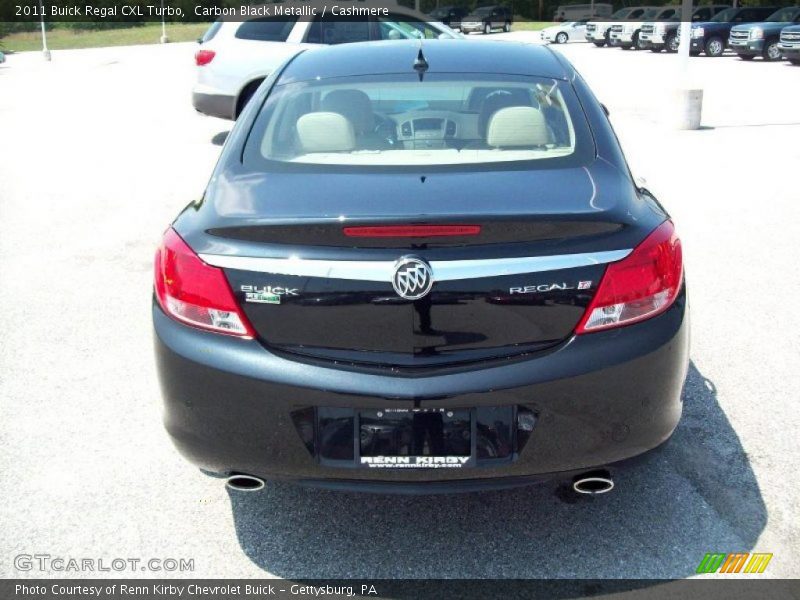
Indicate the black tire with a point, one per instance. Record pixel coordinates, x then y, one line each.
671 44
771 51
598 44
487 29
507 27
246 94
637 42
562 38
715 46
747 56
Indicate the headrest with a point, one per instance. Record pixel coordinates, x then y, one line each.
497 99
353 104
325 132
517 126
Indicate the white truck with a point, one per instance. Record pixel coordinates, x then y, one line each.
626 35
597 31
578 12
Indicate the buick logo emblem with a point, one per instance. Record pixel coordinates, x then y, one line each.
412 278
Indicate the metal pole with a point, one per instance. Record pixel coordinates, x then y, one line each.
686 39
689 99
45 51
164 38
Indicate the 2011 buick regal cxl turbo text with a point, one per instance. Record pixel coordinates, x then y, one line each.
418 268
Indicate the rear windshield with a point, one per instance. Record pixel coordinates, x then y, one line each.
396 121
268 29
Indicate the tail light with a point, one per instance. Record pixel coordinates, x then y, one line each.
196 293
640 286
203 57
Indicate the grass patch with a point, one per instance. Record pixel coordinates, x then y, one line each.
65 39
530 25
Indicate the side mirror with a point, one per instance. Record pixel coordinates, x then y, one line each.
605 109
199 40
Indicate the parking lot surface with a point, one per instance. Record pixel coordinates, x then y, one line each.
101 148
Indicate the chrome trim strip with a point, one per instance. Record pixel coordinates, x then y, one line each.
383 270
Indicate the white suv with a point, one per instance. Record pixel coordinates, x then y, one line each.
236 56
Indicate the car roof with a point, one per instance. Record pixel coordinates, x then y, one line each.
442 56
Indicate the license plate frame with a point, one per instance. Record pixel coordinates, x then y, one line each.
423 426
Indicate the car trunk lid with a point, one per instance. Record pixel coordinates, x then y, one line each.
513 279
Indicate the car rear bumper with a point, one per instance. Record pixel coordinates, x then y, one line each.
231 405
214 105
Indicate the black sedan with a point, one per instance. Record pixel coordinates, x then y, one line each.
418 269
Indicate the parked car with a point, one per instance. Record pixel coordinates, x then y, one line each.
581 12
236 56
626 35
790 44
571 31
711 37
449 15
763 39
663 35
337 180
597 30
488 18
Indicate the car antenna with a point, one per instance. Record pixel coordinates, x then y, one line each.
420 65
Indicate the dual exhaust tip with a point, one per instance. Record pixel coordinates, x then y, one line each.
593 483
244 483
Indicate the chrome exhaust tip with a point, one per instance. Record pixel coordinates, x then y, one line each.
244 483
593 483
